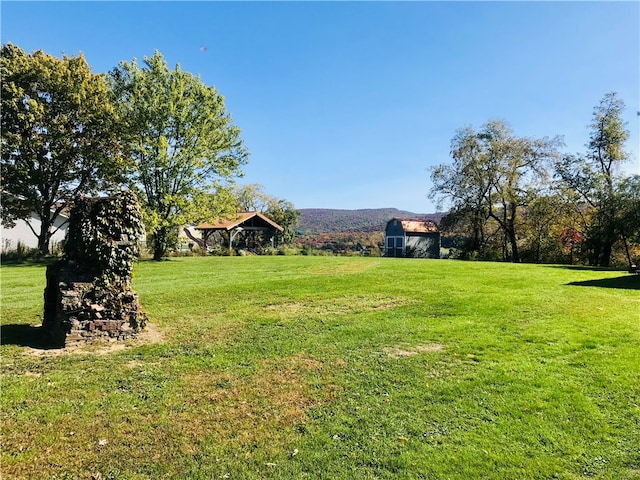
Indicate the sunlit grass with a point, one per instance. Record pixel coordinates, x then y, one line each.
328 367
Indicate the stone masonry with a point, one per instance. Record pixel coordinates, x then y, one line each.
88 297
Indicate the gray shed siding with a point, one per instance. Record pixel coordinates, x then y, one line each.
394 228
394 239
399 243
423 245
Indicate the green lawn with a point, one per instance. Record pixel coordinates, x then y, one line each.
331 368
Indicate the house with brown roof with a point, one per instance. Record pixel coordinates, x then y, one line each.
411 237
248 230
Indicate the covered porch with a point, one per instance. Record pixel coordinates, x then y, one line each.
250 231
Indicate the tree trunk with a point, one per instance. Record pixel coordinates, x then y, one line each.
605 258
45 236
595 247
159 243
511 232
515 256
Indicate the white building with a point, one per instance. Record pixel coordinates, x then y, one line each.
23 234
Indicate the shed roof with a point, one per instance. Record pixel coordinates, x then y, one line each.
417 225
242 218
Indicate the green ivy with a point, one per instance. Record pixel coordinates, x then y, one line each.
103 244
104 235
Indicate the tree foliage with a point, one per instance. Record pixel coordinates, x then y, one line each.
506 204
594 177
494 175
629 208
252 198
58 136
284 213
182 142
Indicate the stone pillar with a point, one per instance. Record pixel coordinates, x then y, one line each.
88 296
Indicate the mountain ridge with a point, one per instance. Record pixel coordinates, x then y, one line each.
316 221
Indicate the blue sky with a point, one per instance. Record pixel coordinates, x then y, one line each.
348 104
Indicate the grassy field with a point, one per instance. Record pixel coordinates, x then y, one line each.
331 368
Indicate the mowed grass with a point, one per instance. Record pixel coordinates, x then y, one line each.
331 368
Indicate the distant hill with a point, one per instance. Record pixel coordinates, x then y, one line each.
316 221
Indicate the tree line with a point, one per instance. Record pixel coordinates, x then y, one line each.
160 132
167 136
522 199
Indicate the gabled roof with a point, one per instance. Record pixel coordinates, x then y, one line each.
241 219
417 225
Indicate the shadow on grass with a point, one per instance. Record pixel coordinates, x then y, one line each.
587 268
627 282
29 262
25 336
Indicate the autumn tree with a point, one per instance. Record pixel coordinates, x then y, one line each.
545 229
466 184
285 214
182 142
493 176
594 176
629 198
628 216
252 197
59 136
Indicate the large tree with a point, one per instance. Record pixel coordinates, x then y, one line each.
58 136
466 184
493 176
594 176
181 140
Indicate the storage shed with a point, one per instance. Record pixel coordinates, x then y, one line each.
410 237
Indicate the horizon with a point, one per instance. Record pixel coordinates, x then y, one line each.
362 209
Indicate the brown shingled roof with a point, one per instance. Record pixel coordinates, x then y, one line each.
417 225
225 224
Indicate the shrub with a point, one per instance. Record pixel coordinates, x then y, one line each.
288 250
21 252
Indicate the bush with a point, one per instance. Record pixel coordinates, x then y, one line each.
218 251
21 252
288 250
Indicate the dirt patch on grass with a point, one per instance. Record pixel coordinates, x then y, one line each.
150 335
337 306
401 351
342 268
252 409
